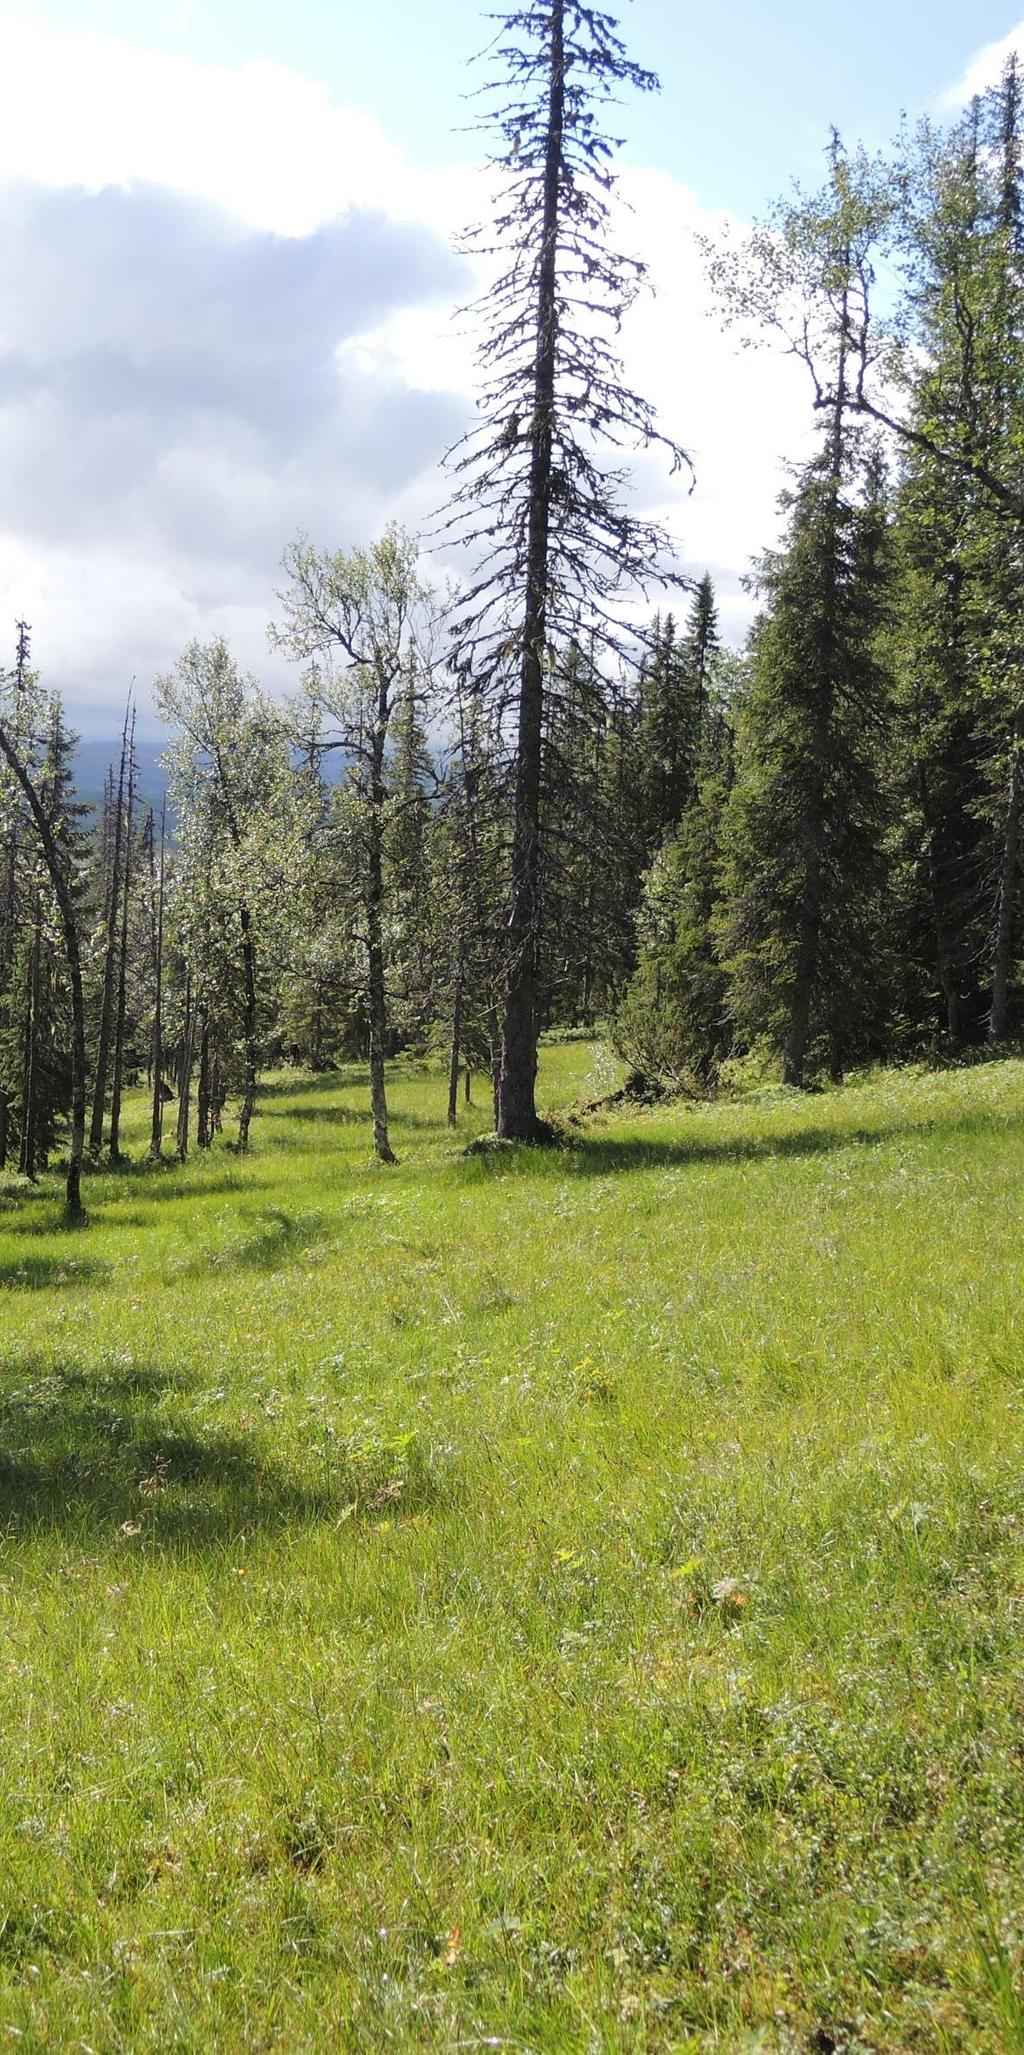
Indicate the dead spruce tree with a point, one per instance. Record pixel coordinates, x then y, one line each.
538 489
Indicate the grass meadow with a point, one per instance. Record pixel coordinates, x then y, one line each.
540 1601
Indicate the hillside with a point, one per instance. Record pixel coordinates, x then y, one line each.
95 756
561 1601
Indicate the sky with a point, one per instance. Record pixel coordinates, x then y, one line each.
227 286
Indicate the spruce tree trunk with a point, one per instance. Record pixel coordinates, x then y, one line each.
6 964
456 1042
99 1096
517 1109
248 1030
940 925
157 1057
590 902
586 997
73 1201
376 993
122 971
794 1055
29 1085
185 1073
1002 963
316 1033
494 1038
204 1128
74 1211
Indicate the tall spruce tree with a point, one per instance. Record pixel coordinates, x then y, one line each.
701 645
806 831
806 828
942 373
666 735
674 1020
552 541
959 651
674 690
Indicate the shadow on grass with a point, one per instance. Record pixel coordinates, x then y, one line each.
103 1456
191 1183
20 1191
433 1123
312 1084
164 1179
343 1116
107 1204
353 1116
600 1155
585 1153
41 1273
278 1239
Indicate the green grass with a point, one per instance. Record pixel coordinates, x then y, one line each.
555 1601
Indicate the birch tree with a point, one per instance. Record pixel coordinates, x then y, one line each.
51 820
230 777
365 625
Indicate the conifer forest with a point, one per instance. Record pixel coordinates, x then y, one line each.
511 1485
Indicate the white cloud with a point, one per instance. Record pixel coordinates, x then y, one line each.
261 141
174 405
739 412
226 311
985 68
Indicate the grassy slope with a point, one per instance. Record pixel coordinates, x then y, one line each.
362 1677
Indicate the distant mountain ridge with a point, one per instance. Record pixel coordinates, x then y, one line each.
93 759
95 756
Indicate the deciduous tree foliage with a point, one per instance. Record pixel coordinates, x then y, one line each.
51 819
364 623
230 782
799 855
